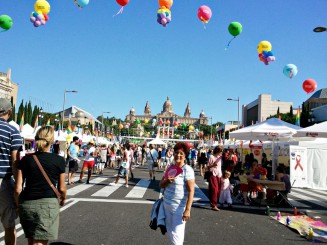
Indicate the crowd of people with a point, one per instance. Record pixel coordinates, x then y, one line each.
38 179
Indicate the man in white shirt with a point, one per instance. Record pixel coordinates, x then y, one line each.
152 157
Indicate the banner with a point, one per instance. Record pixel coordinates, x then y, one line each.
298 166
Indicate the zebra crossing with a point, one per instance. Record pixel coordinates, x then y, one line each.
137 190
99 188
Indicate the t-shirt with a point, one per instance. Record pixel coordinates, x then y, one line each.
73 151
88 155
10 140
154 155
176 193
36 186
193 153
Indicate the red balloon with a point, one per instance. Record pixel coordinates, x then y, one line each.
309 85
204 13
122 2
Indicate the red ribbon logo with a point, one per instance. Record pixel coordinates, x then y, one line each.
298 162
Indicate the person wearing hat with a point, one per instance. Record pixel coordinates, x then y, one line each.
72 159
88 163
10 144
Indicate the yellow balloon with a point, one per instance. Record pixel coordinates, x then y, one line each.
146 121
69 137
191 128
42 7
264 46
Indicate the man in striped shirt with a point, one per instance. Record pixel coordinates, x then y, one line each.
10 145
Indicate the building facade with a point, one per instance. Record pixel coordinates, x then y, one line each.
167 114
8 88
317 106
262 108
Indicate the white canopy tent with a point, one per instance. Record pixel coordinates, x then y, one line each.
13 123
318 130
272 129
157 141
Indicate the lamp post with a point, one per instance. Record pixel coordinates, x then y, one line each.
102 118
320 29
63 107
41 115
238 109
210 127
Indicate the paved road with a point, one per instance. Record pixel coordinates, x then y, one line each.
102 214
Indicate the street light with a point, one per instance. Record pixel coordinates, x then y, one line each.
210 127
320 29
238 109
102 118
63 107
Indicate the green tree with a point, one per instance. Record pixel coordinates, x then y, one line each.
305 115
29 114
291 111
278 111
20 112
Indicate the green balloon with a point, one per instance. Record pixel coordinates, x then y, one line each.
5 22
235 28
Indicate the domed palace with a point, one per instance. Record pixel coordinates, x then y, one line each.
167 113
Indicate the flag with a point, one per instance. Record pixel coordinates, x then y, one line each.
69 128
297 117
21 124
48 122
36 123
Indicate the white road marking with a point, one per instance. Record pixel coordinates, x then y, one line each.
307 198
199 195
82 187
108 190
309 192
139 190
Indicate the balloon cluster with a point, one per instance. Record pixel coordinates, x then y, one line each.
5 22
164 13
81 3
265 53
40 16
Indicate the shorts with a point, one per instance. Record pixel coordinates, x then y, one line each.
73 166
122 172
88 164
40 218
7 203
150 166
244 187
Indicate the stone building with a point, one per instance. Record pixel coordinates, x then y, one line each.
8 88
167 114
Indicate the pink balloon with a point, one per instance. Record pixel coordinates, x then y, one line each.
32 19
164 21
43 22
204 13
168 19
37 23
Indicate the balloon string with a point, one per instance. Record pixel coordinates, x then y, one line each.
119 12
291 74
204 25
229 43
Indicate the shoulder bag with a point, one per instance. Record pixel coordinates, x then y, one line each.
208 173
155 162
47 178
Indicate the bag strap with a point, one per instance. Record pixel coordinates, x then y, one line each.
46 176
151 156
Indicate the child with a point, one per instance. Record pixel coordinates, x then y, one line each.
244 187
226 190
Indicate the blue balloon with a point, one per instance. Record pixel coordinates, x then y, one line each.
290 70
81 3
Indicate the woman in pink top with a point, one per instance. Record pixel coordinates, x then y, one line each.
214 165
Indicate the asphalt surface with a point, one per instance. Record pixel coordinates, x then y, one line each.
89 220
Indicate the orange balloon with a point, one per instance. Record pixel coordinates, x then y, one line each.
165 3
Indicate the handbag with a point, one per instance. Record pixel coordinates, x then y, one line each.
47 178
155 163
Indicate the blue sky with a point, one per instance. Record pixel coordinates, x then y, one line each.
119 62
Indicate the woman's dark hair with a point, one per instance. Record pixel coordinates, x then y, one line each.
218 149
182 146
264 154
280 169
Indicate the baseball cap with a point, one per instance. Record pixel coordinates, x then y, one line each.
75 138
5 105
